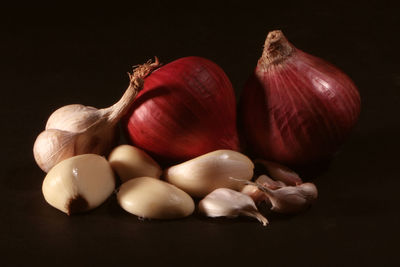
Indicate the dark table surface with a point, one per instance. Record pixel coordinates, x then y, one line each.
58 55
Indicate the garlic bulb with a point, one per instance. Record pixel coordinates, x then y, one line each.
130 162
79 183
77 129
152 198
201 175
224 202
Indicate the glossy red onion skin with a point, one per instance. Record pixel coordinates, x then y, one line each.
186 109
298 111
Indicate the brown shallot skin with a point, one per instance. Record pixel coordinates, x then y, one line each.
296 109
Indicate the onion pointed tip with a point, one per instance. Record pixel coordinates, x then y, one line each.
274 36
276 48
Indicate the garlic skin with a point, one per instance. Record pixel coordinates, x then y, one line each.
53 146
288 199
202 175
131 162
292 199
79 184
267 181
73 118
77 129
256 194
152 198
280 172
224 202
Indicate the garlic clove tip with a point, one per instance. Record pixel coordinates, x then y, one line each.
76 205
257 215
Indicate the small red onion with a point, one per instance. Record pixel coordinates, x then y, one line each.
186 109
296 109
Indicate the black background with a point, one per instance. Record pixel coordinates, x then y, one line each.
58 55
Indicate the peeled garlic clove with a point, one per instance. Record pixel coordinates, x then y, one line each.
224 202
280 172
130 162
79 183
213 170
152 198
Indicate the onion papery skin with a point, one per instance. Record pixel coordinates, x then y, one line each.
187 108
297 110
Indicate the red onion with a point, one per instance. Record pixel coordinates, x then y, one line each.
186 109
296 109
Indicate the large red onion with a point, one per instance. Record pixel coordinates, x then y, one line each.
186 109
296 108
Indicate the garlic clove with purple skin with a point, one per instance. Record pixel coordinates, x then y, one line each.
293 199
280 172
256 194
224 202
283 199
290 199
267 181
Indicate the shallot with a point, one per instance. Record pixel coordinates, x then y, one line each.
187 108
296 109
